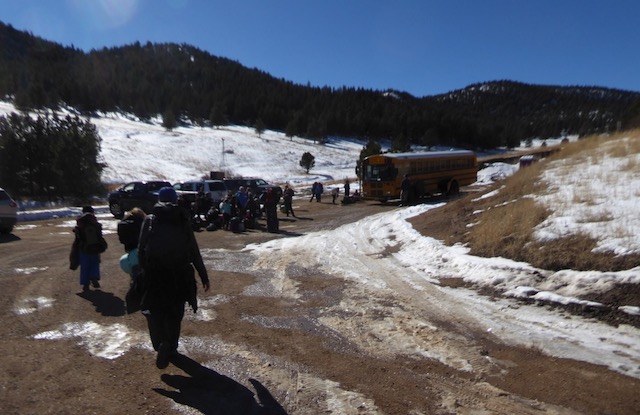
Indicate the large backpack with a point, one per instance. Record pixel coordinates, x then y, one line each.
129 231
91 240
168 242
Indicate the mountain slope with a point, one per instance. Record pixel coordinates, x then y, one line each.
184 82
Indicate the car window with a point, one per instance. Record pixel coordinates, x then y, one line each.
232 184
4 195
153 186
261 182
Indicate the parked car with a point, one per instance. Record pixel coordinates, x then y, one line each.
216 190
142 194
8 212
257 186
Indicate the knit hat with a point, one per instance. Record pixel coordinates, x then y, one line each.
167 194
87 209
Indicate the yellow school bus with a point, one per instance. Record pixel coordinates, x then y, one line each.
430 173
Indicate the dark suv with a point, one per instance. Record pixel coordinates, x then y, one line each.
142 194
257 186
8 212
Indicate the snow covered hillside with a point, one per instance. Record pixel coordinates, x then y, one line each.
134 150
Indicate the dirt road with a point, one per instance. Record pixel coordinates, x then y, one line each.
275 335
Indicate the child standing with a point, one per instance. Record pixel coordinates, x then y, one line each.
88 245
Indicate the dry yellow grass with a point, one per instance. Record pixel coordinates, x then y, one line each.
507 220
504 230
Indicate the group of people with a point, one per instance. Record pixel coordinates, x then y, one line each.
243 206
317 189
161 253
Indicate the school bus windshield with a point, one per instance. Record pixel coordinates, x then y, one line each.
380 172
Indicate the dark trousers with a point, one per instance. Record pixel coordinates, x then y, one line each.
271 212
164 325
288 207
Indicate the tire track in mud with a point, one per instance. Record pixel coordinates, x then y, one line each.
387 317
391 311
303 390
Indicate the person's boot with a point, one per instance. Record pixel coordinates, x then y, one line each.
164 354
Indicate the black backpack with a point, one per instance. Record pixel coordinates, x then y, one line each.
91 240
168 241
128 232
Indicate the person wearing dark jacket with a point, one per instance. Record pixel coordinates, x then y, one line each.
168 253
128 235
129 229
319 189
271 210
86 249
288 200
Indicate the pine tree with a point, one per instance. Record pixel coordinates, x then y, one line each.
307 161
400 144
49 157
260 127
372 147
169 120
317 131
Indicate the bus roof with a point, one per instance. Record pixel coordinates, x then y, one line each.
427 154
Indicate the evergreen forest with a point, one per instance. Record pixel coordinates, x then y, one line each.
185 84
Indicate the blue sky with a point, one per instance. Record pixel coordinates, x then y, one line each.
424 47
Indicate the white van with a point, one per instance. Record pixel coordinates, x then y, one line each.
215 189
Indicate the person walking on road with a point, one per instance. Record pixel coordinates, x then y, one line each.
87 246
334 194
168 253
287 196
128 235
271 211
319 189
313 191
